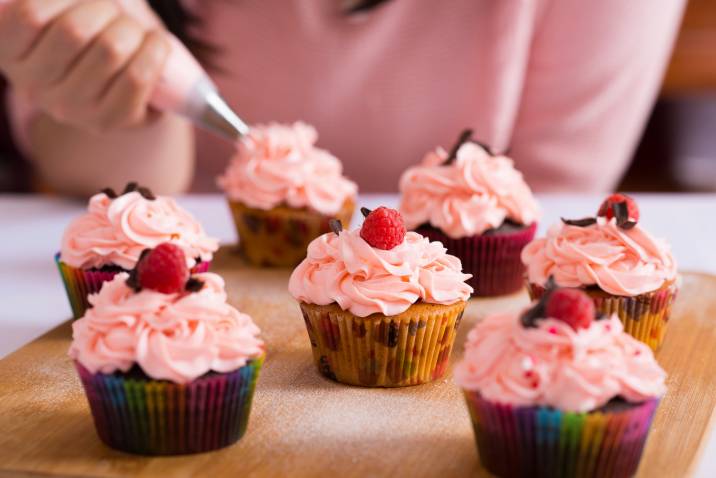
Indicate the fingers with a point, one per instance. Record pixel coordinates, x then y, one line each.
62 43
22 21
85 62
95 69
125 102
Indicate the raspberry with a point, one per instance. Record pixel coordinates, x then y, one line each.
163 269
607 210
571 306
383 228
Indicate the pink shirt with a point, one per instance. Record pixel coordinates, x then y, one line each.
565 85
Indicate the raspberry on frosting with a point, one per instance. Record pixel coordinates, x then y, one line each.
610 205
383 228
163 269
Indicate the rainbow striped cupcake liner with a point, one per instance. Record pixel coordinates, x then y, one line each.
493 260
411 348
157 417
278 237
80 283
544 442
645 317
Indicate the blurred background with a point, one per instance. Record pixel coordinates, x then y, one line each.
677 151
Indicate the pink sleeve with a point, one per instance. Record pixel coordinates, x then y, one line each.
595 69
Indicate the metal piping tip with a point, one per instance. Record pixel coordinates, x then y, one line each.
219 118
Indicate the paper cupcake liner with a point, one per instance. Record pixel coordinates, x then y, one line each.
80 283
157 417
383 351
493 260
279 237
543 442
645 317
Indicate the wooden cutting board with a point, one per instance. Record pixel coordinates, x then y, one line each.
305 425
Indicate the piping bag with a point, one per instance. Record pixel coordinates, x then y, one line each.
184 87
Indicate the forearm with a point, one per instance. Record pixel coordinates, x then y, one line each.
159 154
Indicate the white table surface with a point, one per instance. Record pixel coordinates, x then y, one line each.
33 300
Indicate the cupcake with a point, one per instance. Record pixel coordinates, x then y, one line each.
381 305
282 191
559 391
478 205
167 365
621 266
111 235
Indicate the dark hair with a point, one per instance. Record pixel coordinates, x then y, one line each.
180 21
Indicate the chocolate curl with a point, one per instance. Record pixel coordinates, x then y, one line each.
133 281
539 310
584 222
146 193
365 211
464 137
193 285
621 212
336 226
130 187
110 193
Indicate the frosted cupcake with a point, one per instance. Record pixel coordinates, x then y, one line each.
282 191
559 391
167 365
478 205
613 259
110 237
381 305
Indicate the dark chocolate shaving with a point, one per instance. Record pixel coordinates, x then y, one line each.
551 284
365 211
110 193
464 137
130 187
335 225
539 310
529 318
584 222
133 281
621 212
194 285
146 193
144 254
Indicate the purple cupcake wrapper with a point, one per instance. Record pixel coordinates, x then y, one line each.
157 417
80 283
519 441
493 260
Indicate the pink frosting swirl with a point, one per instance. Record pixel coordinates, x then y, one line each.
554 365
116 231
279 164
475 193
176 337
344 268
621 262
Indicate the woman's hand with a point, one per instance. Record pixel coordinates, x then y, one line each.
83 62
